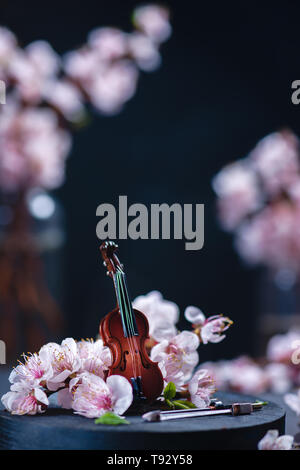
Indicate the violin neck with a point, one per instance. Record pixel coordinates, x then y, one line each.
124 304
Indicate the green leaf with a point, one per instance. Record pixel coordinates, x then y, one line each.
170 391
184 403
111 419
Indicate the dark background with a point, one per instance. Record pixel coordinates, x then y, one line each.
225 82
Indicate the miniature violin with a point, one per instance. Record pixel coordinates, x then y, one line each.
124 331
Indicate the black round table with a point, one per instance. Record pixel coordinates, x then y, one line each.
60 429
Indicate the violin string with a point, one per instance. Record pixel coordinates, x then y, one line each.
132 326
128 324
132 323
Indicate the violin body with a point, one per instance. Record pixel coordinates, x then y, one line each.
125 331
131 360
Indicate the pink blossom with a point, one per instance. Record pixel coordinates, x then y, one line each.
194 315
81 65
67 98
35 370
31 69
93 396
153 20
44 58
276 158
112 86
240 375
95 357
109 43
144 52
272 237
33 148
65 361
279 377
201 387
271 441
248 377
25 400
293 401
282 346
210 329
213 328
162 314
177 357
8 43
239 195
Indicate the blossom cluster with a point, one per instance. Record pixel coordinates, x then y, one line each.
78 372
259 201
277 373
46 93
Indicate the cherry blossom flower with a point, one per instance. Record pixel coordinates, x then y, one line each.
153 20
208 329
8 44
279 377
162 314
280 348
293 401
65 97
93 396
177 357
272 237
31 68
35 370
201 387
238 191
144 52
65 361
276 159
95 357
240 375
213 327
272 441
259 200
33 148
109 43
113 86
81 65
24 400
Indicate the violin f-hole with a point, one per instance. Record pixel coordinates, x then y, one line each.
123 367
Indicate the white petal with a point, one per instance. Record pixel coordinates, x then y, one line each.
65 398
121 393
41 396
187 340
267 442
194 315
163 330
284 442
70 344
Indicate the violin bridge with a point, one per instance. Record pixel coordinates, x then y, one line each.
137 387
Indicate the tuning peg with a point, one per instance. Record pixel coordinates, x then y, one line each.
104 263
107 273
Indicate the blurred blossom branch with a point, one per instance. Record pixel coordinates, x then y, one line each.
48 97
259 202
46 93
